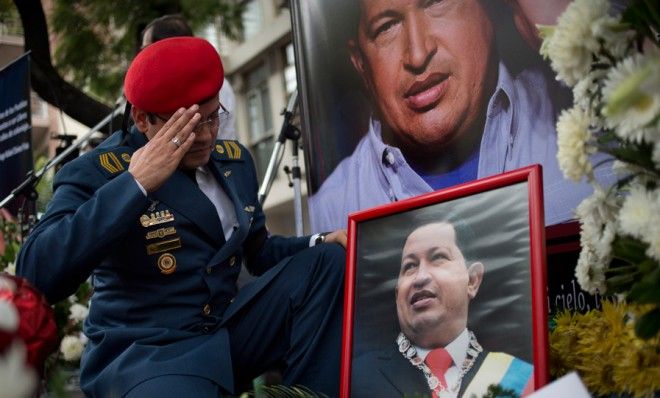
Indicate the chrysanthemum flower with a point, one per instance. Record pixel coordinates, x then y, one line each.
72 347
632 96
573 142
640 215
579 32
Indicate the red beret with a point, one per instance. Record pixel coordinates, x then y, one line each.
173 73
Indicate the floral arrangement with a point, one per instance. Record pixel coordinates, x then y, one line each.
28 335
612 64
602 346
69 316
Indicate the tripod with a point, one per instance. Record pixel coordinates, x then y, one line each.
27 187
290 132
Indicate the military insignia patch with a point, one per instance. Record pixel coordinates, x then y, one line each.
233 150
110 162
227 173
159 217
166 263
164 246
161 233
228 150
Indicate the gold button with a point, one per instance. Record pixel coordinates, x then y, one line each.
206 310
232 261
209 269
232 300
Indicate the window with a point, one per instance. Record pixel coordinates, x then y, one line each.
252 19
290 82
259 117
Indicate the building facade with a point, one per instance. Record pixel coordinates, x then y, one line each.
261 69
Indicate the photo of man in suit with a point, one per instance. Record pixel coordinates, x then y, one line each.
435 353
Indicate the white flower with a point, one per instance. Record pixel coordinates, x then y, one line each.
653 239
632 96
72 347
573 138
17 379
598 222
589 271
78 312
585 94
640 217
8 317
11 269
636 211
580 30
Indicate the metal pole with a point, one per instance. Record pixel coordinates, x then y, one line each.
278 149
297 194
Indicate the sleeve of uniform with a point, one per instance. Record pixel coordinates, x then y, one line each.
263 250
85 219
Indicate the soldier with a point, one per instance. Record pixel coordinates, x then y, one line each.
162 217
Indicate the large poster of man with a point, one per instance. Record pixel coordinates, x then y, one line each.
404 97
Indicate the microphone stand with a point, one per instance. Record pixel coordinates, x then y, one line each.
291 132
27 187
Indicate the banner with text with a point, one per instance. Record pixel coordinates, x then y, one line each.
15 126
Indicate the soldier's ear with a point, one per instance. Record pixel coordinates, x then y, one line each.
141 119
475 275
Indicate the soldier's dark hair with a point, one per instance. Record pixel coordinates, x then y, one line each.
172 25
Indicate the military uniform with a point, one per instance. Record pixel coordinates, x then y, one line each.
165 297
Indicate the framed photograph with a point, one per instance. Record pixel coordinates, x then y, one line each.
447 292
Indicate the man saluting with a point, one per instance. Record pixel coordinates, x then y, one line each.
162 217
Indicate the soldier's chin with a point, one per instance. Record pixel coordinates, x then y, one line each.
196 159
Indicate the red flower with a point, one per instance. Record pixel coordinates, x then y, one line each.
36 323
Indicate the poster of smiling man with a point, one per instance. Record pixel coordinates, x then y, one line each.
405 97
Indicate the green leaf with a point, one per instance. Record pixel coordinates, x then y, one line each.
636 154
629 249
645 293
648 325
96 39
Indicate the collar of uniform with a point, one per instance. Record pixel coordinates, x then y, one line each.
457 349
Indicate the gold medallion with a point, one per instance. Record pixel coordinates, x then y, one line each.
166 263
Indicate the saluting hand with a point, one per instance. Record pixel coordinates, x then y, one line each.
155 162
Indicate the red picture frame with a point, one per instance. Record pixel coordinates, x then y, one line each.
507 212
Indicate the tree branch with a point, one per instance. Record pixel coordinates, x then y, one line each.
46 81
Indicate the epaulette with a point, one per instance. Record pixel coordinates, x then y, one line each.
228 150
114 161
